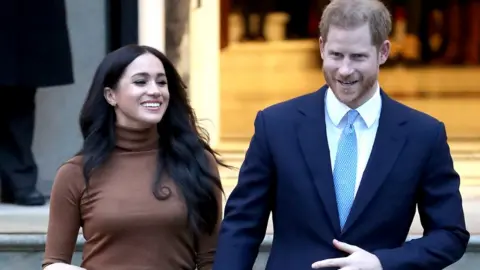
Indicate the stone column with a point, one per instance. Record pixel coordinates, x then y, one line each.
204 61
192 26
151 23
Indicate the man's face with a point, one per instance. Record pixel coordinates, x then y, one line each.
351 63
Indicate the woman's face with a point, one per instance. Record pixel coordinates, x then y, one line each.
141 97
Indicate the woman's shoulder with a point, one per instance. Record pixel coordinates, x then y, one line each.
75 161
73 165
70 173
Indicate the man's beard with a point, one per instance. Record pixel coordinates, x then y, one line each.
366 85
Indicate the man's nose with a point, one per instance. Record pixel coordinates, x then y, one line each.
345 69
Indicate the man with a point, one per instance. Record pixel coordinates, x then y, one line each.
344 168
34 52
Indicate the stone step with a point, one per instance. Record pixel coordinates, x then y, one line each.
251 81
466 155
300 55
469 175
237 155
240 145
26 252
20 220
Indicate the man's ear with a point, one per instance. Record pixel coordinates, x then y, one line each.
321 45
109 95
384 52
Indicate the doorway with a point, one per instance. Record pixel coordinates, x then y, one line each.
122 23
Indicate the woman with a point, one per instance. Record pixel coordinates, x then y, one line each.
145 187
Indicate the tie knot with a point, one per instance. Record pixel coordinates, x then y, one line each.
351 116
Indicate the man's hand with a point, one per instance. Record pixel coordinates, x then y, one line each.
358 259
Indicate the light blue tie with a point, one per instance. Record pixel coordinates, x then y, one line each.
345 168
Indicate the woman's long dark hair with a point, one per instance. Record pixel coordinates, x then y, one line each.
182 142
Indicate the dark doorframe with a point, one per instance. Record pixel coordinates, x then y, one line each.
225 6
122 23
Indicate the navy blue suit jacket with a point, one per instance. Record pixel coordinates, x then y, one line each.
287 171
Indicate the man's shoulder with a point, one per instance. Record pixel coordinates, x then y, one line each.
419 119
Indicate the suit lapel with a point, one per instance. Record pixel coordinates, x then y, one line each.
388 144
312 138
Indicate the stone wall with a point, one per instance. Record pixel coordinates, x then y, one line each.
57 135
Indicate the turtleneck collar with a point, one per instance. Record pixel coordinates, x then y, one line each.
135 139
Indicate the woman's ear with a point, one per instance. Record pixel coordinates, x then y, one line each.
109 95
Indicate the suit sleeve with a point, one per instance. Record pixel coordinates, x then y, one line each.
248 206
441 214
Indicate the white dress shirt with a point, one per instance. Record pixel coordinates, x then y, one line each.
366 126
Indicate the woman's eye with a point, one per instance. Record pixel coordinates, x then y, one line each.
140 82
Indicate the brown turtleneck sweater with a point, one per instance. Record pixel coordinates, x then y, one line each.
125 226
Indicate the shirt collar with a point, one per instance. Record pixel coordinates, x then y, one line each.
369 111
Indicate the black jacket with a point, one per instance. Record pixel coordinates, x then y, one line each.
34 43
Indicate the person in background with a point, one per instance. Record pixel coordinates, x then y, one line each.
344 169
35 52
145 187
177 16
249 8
298 13
406 30
463 32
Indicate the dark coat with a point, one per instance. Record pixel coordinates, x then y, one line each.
34 43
